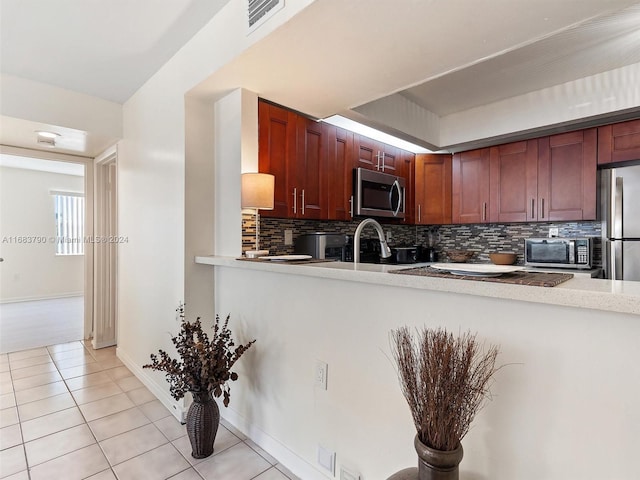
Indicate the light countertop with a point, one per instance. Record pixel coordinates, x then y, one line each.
581 291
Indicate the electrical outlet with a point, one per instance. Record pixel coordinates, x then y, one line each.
327 459
320 374
553 232
346 474
288 237
388 236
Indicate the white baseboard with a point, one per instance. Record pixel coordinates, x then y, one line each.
292 461
41 297
176 408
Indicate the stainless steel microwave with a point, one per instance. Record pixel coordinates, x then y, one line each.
377 194
559 252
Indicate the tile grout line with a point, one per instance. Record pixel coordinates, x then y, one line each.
98 442
85 419
15 401
86 350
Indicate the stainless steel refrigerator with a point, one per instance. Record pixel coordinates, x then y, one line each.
620 190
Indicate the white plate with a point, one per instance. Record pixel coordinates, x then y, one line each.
287 258
476 269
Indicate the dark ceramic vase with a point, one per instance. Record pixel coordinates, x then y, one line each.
203 418
437 464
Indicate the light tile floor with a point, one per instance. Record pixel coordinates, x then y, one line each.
68 411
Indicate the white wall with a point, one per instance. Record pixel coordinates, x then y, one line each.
564 407
153 172
33 270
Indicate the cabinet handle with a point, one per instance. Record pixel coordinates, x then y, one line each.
378 160
533 204
419 213
484 211
302 201
542 209
383 161
351 206
295 200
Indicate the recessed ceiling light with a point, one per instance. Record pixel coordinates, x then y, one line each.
45 134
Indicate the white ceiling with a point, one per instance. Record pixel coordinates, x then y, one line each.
104 48
445 55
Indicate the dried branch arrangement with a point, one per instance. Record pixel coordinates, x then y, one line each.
205 364
445 380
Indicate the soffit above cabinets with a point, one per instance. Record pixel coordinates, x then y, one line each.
595 46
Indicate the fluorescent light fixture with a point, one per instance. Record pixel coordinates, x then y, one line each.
348 124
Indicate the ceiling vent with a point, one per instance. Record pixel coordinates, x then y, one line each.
261 10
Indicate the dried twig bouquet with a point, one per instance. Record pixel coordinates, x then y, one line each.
205 364
445 380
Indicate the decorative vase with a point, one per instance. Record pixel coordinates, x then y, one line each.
203 418
437 464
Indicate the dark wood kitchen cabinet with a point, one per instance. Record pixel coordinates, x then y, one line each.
619 142
545 179
313 163
390 159
408 172
432 189
514 182
470 186
277 154
567 176
339 178
309 191
366 152
291 147
374 155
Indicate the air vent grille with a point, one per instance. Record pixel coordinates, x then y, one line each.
259 8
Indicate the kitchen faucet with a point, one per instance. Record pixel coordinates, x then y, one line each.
385 251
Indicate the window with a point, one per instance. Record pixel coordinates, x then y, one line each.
69 214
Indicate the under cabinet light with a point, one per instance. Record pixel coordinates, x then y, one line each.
357 127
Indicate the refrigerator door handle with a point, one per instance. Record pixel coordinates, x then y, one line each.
617 264
616 214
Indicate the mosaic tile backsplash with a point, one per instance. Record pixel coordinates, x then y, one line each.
480 238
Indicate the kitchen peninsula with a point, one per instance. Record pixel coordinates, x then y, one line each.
598 294
559 346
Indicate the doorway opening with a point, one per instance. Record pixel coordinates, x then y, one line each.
43 267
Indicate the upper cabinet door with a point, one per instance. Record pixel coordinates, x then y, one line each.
619 142
339 178
389 159
366 153
311 168
470 187
374 155
514 182
433 189
567 176
276 155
